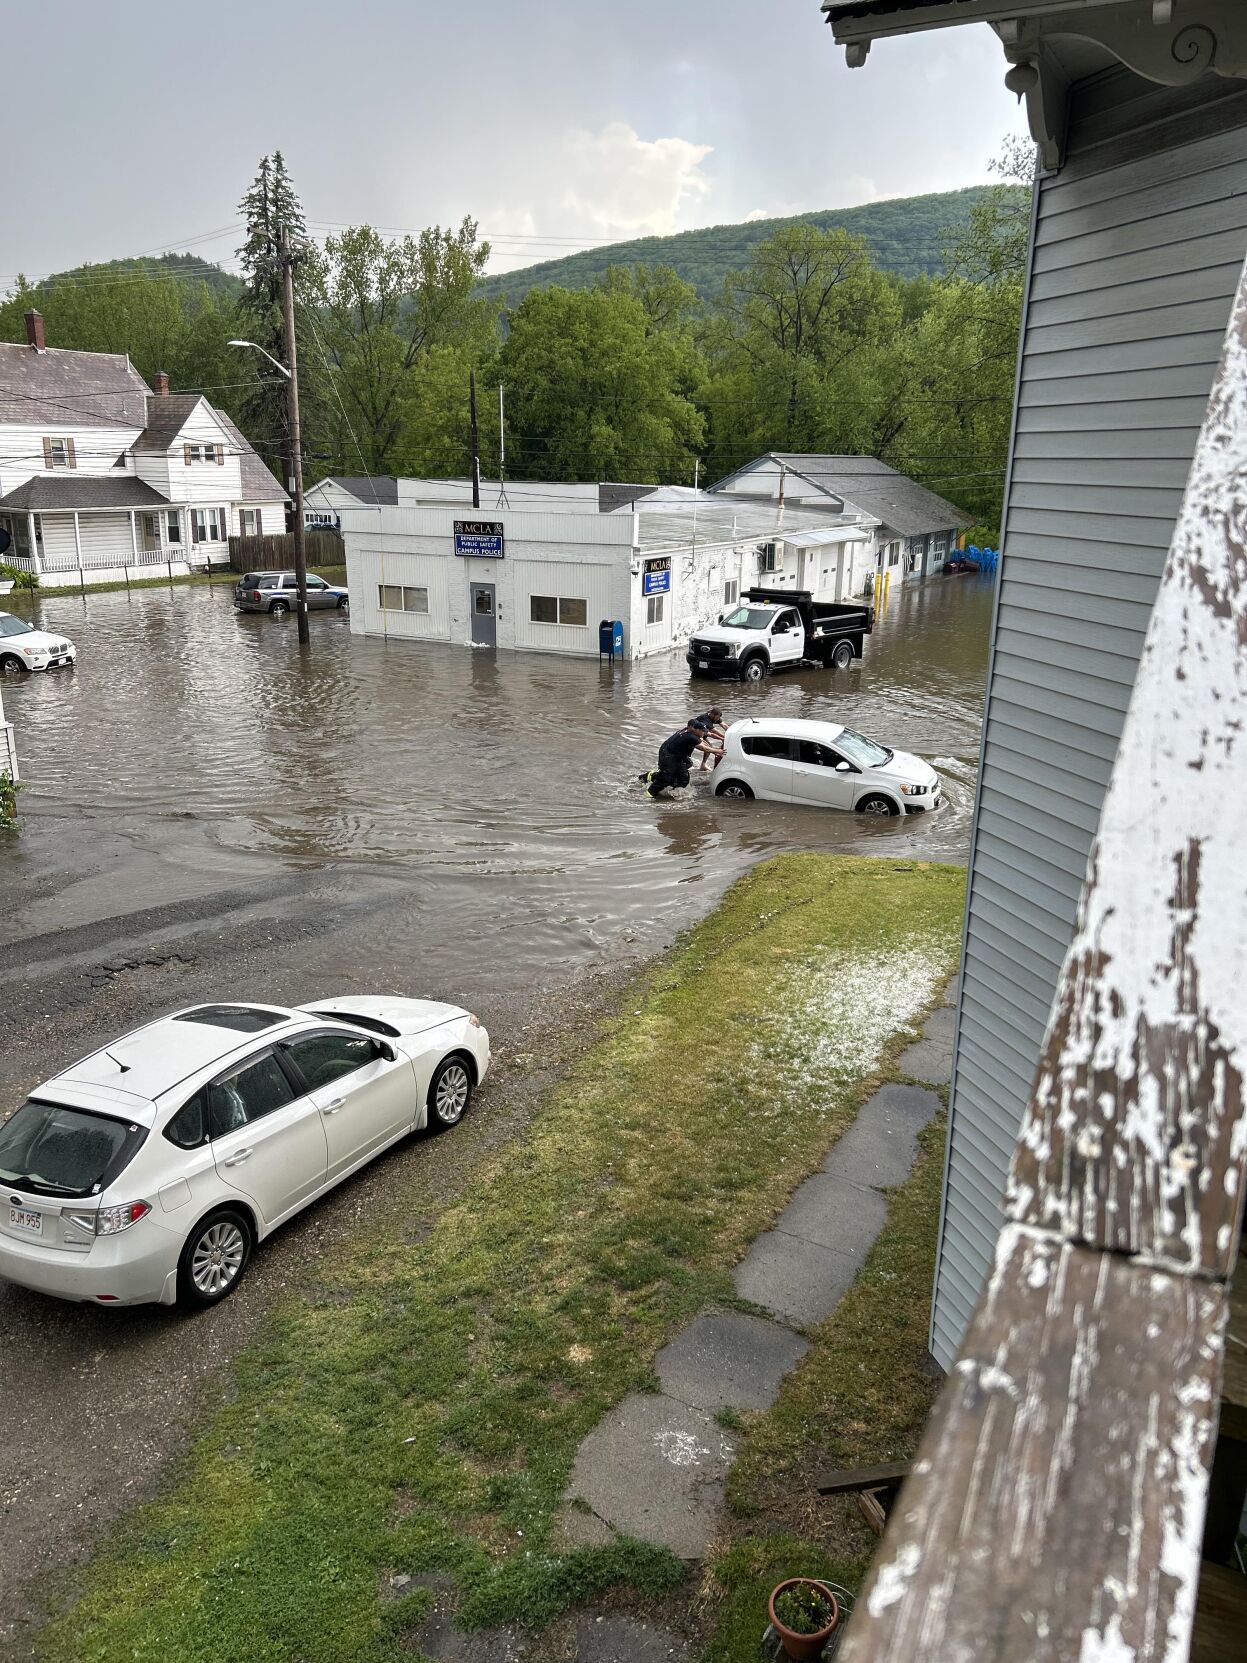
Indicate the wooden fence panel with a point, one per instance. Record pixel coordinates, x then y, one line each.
274 552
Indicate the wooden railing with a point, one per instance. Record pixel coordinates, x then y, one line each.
1055 1512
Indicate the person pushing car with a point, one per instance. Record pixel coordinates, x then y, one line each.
674 755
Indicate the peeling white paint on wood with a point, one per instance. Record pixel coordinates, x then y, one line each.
1135 1138
1056 1509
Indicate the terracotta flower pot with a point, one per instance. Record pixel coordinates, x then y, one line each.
804 1648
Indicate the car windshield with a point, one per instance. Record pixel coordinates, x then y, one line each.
9 625
51 1149
749 617
862 751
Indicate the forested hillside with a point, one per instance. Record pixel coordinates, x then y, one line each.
908 236
662 360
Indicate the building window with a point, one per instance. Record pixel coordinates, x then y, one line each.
894 554
249 521
208 525
59 453
203 453
938 547
398 597
772 559
558 609
654 609
731 590
175 527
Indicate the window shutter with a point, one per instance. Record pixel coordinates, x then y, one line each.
186 452
47 452
71 454
220 455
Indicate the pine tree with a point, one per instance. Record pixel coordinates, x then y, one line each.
271 211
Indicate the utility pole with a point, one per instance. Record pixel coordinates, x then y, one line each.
502 450
476 442
295 482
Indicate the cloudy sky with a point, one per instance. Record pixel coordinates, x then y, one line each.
555 123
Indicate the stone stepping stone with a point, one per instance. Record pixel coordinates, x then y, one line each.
831 1212
878 1148
654 1468
621 1640
728 1360
796 1280
931 1059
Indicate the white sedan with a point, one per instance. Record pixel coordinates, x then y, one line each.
148 1172
23 647
793 761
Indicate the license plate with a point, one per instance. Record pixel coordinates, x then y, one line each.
703 663
22 1219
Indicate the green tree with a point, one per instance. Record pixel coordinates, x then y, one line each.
792 341
594 389
162 321
273 214
399 325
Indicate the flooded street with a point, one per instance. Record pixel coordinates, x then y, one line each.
192 751
207 816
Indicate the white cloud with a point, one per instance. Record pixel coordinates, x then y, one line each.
597 186
615 180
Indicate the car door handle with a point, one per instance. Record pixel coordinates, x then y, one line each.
239 1156
334 1106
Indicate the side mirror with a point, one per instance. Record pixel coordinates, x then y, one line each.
722 615
387 1050
842 767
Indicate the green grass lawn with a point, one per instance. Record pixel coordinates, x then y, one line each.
424 1413
219 575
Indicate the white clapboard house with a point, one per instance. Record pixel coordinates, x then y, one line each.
102 476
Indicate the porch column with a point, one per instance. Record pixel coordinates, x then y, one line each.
78 543
134 536
36 565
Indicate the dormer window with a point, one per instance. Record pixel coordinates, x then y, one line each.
204 453
59 453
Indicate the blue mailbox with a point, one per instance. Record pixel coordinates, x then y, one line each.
610 639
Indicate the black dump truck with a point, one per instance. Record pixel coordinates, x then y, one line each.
775 629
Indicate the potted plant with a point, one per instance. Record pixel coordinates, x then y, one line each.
14 576
805 1615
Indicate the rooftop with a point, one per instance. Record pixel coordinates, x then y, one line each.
83 492
64 388
864 482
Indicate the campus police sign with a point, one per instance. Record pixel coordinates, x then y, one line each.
479 537
657 577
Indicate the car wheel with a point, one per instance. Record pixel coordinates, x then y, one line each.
878 806
344 603
734 788
278 607
842 657
753 669
11 664
450 1093
213 1259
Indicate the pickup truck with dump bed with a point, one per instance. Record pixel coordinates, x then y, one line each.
773 629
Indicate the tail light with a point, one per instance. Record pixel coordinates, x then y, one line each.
255 594
110 1221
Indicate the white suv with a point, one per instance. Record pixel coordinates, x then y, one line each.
148 1171
23 647
794 761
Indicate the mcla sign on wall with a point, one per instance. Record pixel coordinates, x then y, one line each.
656 579
479 537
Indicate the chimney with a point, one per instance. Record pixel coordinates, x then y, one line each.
160 381
34 331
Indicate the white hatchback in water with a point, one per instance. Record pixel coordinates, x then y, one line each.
148 1171
23 647
793 761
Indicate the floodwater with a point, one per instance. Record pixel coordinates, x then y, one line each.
193 749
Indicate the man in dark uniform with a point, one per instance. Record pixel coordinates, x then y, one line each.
674 755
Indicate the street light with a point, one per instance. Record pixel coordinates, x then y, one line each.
256 347
295 482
